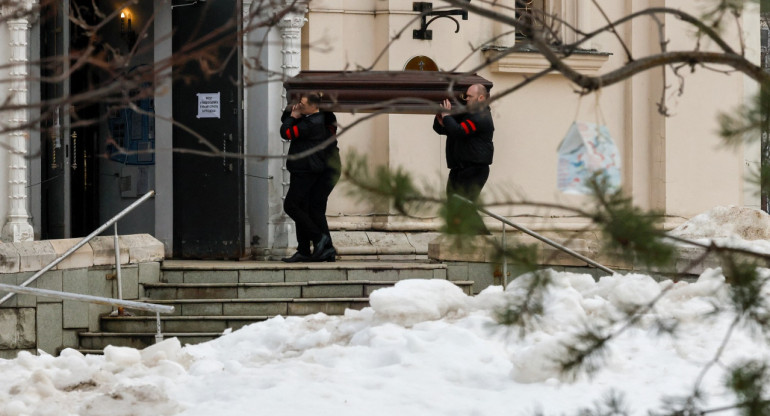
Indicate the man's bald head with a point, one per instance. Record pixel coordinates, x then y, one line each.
476 94
480 90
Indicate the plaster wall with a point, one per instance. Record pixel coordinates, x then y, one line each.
333 23
164 158
752 148
701 171
643 166
264 187
675 163
34 172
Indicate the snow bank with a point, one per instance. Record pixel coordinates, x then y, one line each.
423 348
729 226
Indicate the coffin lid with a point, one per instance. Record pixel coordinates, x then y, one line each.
386 91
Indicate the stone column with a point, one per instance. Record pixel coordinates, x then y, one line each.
290 32
18 227
291 50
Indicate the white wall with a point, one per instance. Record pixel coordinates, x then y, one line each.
675 164
164 201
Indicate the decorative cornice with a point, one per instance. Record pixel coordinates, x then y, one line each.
531 62
292 21
13 7
295 19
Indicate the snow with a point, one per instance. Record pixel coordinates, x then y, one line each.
729 226
422 348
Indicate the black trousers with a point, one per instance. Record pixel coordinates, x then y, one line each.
306 202
467 182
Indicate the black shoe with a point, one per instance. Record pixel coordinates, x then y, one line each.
296 258
329 255
320 249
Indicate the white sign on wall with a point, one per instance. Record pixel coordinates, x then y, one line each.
208 105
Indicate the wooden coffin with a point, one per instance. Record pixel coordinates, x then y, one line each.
383 91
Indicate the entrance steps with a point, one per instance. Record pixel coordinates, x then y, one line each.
210 297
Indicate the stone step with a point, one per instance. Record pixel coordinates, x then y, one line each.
312 289
266 306
177 324
254 307
210 297
95 342
87 351
183 271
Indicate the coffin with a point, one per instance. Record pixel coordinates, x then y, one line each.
382 91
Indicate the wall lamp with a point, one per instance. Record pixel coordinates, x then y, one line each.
126 32
426 9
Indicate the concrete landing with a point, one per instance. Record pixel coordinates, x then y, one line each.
34 255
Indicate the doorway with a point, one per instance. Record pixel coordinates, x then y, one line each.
98 153
208 177
69 152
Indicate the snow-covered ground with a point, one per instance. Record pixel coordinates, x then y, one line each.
422 348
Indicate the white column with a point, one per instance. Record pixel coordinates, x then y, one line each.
18 227
291 49
245 9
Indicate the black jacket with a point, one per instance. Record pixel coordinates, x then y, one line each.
305 133
332 153
469 138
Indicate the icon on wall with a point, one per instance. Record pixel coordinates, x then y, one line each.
421 63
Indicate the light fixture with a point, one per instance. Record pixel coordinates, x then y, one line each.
426 9
126 32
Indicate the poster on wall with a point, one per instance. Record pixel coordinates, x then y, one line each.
587 149
208 105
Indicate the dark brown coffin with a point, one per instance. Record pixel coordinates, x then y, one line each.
385 91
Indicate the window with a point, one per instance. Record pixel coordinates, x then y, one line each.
559 15
531 13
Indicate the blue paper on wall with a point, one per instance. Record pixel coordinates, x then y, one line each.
585 150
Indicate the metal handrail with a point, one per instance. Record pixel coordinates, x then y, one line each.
533 234
81 243
150 307
120 303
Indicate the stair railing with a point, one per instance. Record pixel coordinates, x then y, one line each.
119 303
151 307
542 238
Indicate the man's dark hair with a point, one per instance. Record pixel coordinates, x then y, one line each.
313 98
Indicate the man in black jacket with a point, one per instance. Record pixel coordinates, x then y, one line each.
469 149
312 177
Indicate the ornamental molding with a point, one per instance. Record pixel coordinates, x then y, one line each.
533 62
295 19
292 21
17 7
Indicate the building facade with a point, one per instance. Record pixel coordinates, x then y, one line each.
64 179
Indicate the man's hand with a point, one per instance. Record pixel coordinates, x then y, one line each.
447 106
295 111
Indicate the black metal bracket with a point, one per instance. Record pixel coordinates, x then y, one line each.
426 9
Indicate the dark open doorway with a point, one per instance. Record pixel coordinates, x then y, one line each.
208 187
70 148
